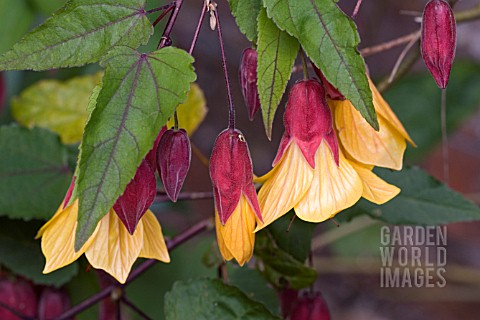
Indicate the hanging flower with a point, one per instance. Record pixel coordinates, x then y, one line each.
311 173
236 204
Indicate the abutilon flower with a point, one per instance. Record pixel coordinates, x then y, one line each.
310 172
20 296
439 40
236 203
127 232
248 81
311 308
174 155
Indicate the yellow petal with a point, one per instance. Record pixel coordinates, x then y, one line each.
226 254
154 246
384 110
58 238
383 148
333 188
284 186
114 249
375 190
237 233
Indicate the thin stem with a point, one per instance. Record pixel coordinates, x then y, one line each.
402 56
306 76
227 81
186 196
164 13
175 119
357 8
403 69
197 31
389 44
136 309
160 8
165 40
171 244
118 310
443 119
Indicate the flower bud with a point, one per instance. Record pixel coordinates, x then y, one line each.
438 42
137 197
152 154
308 120
332 92
311 308
19 296
232 174
173 161
248 81
52 303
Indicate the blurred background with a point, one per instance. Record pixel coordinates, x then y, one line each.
348 266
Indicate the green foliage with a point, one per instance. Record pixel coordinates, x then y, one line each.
124 124
276 55
21 253
80 33
422 201
330 39
246 13
34 172
293 237
47 7
211 299
279 267
15 19
56 105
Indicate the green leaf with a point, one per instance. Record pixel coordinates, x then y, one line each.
246 13
57 105
21 253
293 237
281 269
15 19
330 39
34 172
276 55
211 299
82 32
139 94
422 201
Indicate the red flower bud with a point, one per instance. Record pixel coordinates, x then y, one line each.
152 154
248 81
311 308
439 37
173 161
52 303
19 296
232 174
308 120
137 197
332 92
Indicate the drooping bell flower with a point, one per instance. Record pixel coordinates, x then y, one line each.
20 296
236 204
248 81
310 172
383 148
332 92
311 308
174 155
111 247
438 40
52 303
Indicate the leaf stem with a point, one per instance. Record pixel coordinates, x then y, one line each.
227 81
160 8
199 25
161 16
165 40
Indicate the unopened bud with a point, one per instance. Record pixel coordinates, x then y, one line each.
52 303
137 197
248 81
439 37
19 296
232 174
174 155
311 308
331 91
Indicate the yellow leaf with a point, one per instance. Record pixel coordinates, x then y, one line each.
191 113
60 106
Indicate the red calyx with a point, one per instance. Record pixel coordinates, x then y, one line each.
248 81
311 308
137 197
232 174
152 154
174 155
52 303
308 120
439 40
20 296
332 92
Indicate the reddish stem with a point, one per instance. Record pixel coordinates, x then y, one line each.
197 31
165 40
